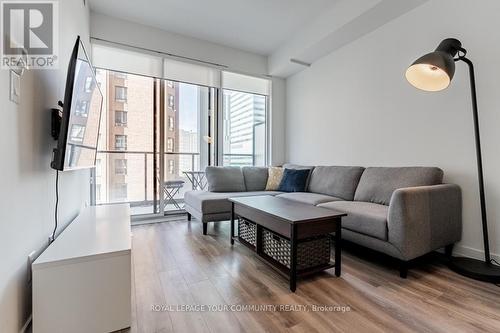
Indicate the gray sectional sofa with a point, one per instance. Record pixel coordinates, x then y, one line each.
404 212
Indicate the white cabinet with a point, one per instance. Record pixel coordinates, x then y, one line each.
82 281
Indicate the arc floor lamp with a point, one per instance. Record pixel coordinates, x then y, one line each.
434 72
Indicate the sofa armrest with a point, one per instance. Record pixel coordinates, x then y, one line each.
424 218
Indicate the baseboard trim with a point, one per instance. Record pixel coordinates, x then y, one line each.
470 252
26 324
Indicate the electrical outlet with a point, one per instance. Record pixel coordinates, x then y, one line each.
31 258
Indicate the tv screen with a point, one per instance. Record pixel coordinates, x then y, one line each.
79 130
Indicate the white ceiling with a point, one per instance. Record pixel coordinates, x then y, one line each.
258 26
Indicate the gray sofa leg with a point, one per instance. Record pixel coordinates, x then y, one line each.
205 227
403 269
188 216
448 250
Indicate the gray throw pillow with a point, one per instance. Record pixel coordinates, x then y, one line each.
225 179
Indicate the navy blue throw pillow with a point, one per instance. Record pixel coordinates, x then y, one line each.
294 180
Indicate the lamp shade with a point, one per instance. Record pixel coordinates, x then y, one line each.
434 71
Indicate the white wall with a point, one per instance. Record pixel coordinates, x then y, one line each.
354 106
277 121
26 180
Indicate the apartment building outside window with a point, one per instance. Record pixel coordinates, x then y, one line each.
171 123
98 167
120 142
171 167
88 84
77 133
170 145
98 192
120 94
121 191
120 75
244 139
171 101
188 130
121 167
120 118
82 109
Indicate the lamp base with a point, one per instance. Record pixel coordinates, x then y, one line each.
475 269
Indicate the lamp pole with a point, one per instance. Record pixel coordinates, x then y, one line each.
434 72
479 157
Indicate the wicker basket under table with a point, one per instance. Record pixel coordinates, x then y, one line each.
292 237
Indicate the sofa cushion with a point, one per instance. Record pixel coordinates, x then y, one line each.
255 178
337 181
308 197
377 184
294 180
225 179
363 217
275 174
216 202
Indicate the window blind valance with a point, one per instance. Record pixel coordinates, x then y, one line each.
191 73
245 83
127 59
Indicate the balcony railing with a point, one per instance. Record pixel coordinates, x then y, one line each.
134 179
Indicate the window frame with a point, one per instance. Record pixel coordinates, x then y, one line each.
79 112
171 101
124 137
81 129
171 123
171 167
89 80
125 116
170 145
125 94
123 168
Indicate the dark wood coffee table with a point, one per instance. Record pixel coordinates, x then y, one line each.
295 222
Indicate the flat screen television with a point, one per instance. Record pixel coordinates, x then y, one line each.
78 132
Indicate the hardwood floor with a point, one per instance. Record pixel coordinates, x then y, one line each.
174 264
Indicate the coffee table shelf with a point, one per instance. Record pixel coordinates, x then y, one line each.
295 222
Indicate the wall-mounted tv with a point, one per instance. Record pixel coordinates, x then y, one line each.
78 132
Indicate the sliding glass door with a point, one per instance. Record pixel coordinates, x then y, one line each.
186 134
124 162
161 127
155 135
